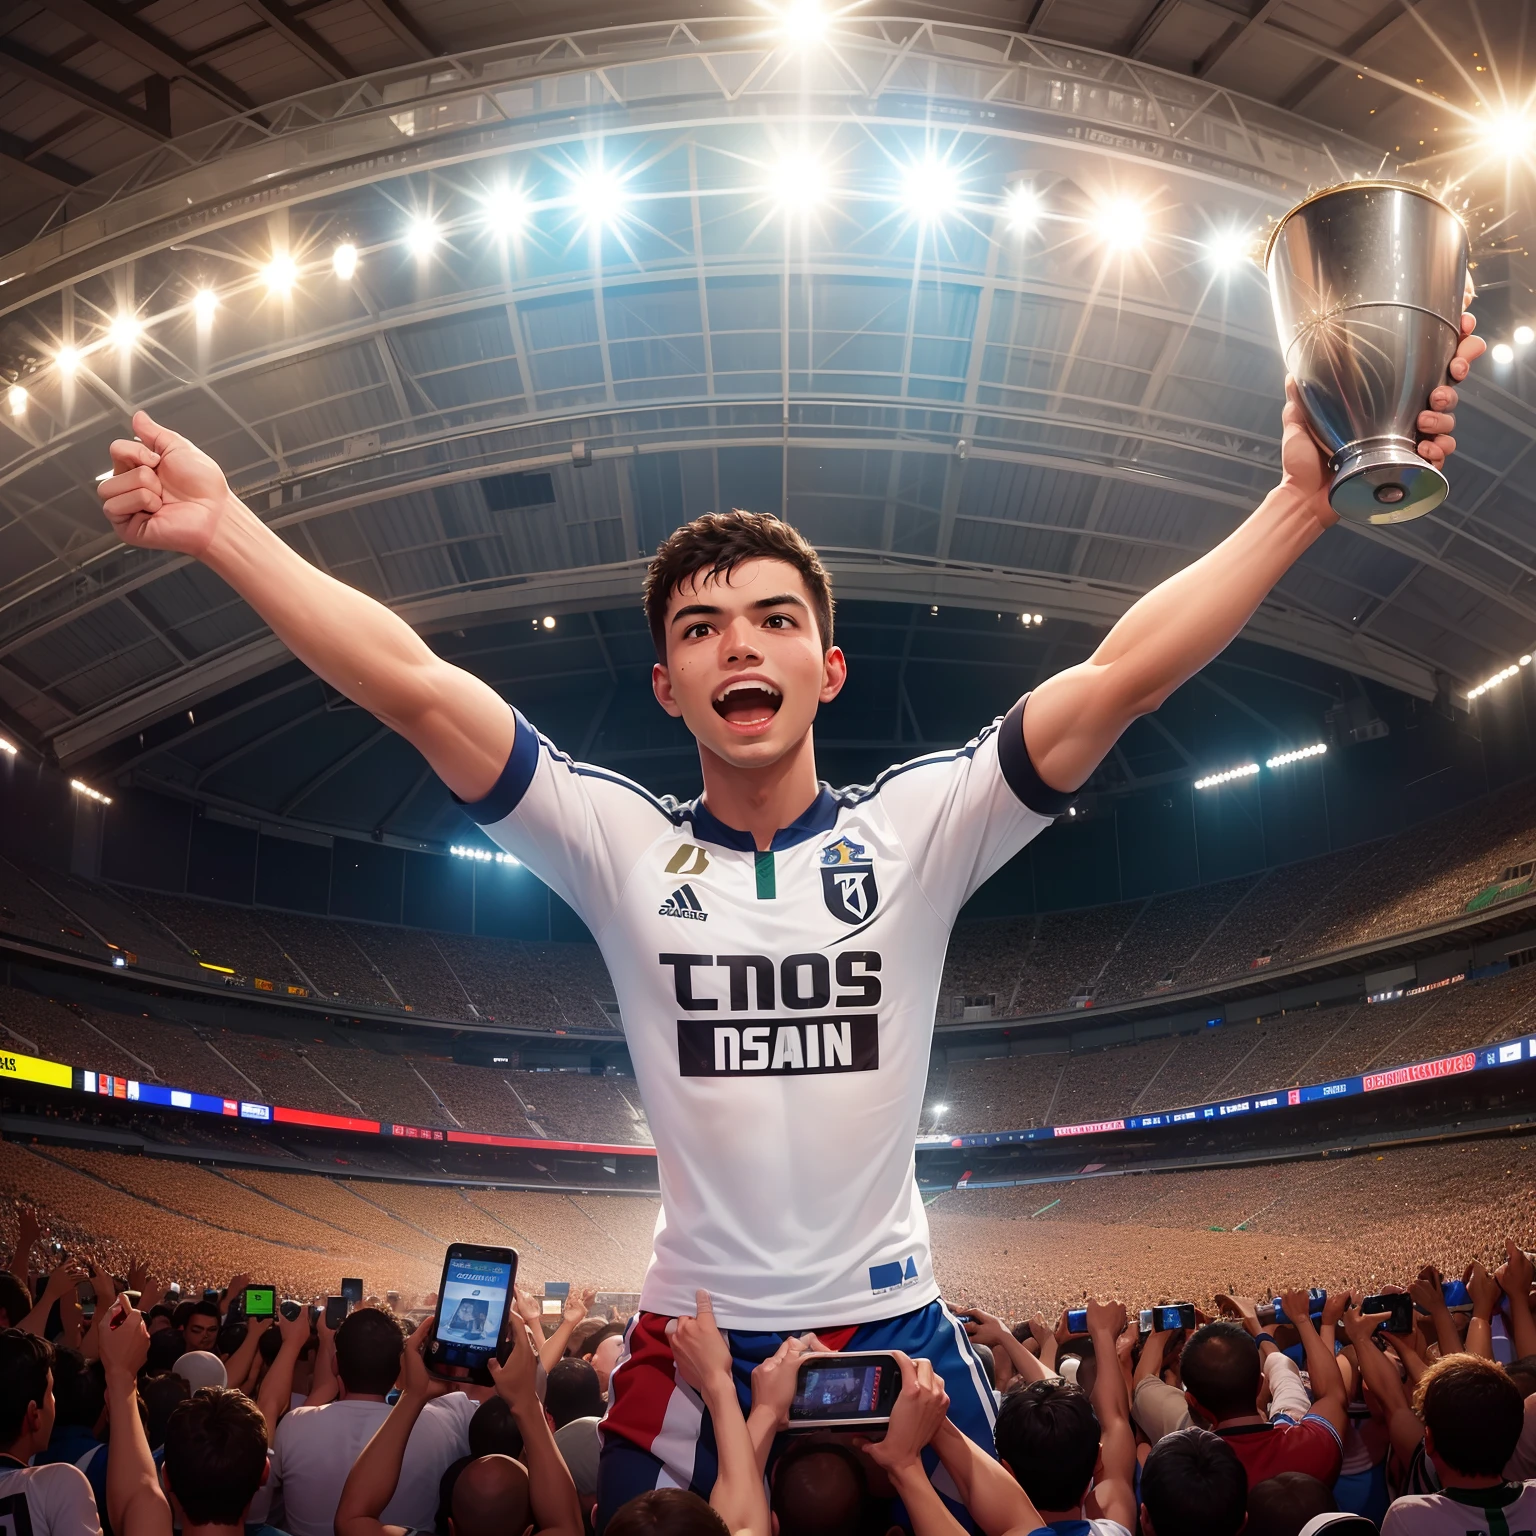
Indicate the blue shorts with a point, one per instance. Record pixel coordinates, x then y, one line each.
657 1433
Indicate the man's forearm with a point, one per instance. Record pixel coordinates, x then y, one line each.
1165 637
737 1496
277 1389
135 1504
987 1488
551 1492
371 1483
366 652
928 1513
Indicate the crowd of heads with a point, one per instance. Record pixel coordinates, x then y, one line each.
1314 1418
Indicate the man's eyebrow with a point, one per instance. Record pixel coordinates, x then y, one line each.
783 600
689 610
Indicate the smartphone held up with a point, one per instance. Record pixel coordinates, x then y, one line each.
474 1316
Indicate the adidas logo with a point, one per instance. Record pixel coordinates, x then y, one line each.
683 903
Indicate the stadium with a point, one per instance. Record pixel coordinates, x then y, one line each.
474 305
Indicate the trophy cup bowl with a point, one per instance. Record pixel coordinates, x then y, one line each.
1368 280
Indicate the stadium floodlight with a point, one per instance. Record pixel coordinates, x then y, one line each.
930 189
1525 661
1211 780
1121 223
482 855
1509 132
16 398
1524 335
1022 208
1503 675
941 1109
1039 618
66 360
80 787
508 212
599 196
798 182
8 747
344 260
1315 750
1228 249
1503 353
124 330
802 22
548 621
280 273
204 302
422 235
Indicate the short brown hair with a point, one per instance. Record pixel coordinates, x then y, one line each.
1474 1411
215 1454
714 545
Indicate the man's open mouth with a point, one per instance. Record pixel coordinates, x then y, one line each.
748 703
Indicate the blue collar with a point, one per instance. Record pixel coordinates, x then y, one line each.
818 817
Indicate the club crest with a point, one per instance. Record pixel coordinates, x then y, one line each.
848 881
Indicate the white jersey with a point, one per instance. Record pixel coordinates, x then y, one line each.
779 1007
1509 1510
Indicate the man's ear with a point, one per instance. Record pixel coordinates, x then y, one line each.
834 673
661 686
1146 1523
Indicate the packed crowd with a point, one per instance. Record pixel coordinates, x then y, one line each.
134 1405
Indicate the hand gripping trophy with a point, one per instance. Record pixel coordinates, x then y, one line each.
1368 281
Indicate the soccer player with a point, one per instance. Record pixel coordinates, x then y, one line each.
776 945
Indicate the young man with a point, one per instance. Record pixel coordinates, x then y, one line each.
777 946
1192 1485
1053 1438
1473 1414
53 1500
1223 1367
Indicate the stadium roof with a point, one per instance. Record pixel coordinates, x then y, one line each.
958 288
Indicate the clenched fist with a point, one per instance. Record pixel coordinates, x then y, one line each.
164 492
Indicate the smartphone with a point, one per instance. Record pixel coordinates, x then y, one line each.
259 1301
472 1322
1178 1314
173 1291
1315 1301
836 1390
353 1291
1400 1307
1077 1320
290 1309
336 1309
1455 1293
211 1295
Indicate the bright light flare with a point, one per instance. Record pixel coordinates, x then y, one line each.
1022 209
1503 353
1510 133
344 260
124 330
1211 780
482 855
930 189
16 398
91 794
280 274
508 212
66 360
798 183
204 302
803 22
1284 759
599 196
1524 335
1121 223
8 747
1228 249
422 235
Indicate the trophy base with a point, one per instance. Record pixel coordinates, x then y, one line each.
1385 484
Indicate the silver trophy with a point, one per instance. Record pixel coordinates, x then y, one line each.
1368 282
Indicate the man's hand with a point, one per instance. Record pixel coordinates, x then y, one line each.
294 1331
1358 1325
122 1342
516 1382
1335 1305
576 1307
1106 1317
1482 1288
983 1328
1426 1290
415 1379
1516 1274
164 493
70 1272
528 1309
914 1420
702 1354
1246 1309
774 1381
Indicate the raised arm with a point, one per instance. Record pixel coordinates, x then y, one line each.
1515 1277
135 1504
1115 1490
1430 1299
551 1493
1402 1423
1485 1293
166 494
1328 1399
277 1385
572 1315
1074 718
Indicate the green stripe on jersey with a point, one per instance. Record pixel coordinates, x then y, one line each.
767 887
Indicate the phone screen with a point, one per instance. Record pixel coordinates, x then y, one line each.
1397 1305
336 1309
260 1301
1077 1320
353 1291
848 1389
472 1307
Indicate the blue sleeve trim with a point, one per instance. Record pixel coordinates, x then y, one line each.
1020 774
508 791
1317 1418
